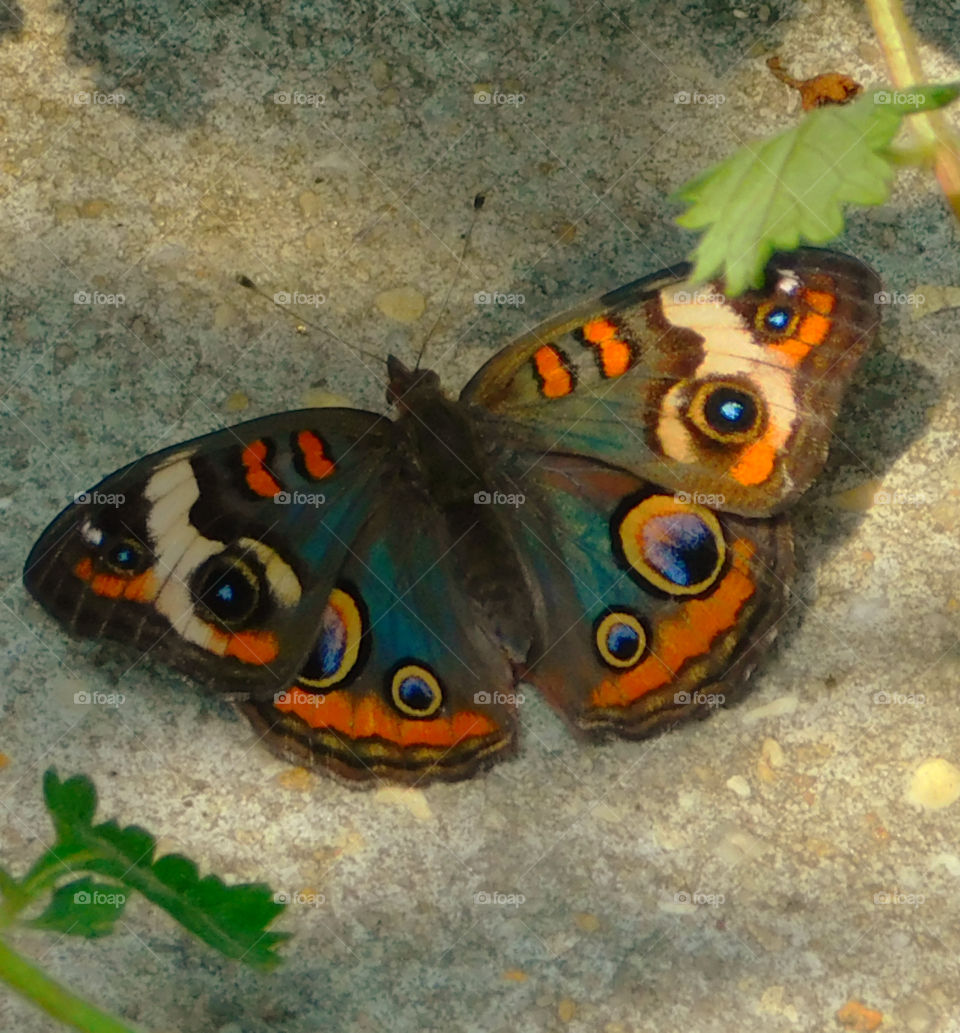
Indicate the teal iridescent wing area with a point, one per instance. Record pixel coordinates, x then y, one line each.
406 681
656 606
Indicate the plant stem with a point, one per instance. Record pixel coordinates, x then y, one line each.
900 49
38 988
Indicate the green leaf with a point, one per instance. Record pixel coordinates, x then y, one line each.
232 919
83 908
771 195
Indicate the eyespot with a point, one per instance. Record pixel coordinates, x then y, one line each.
677 547
727 412
228 589
338 645
620 639
415 691
126 557
774 318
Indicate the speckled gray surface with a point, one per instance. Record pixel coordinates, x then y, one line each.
820 880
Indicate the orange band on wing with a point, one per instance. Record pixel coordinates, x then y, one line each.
820 301
315 460
813 328
756 462
259 479
688 634
553 372
614 354
367 717
251 647
141 588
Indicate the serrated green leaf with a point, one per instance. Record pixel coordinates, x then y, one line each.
83 908
232 919
771 195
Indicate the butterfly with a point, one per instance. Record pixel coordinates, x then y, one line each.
600 515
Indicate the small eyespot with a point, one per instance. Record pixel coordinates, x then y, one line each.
415 691
727 412
776 319
620 639
126 557
228 589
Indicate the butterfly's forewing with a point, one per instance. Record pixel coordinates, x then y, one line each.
658 608
698 393
217 555
406 681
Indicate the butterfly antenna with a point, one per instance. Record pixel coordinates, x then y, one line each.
478 202
302 323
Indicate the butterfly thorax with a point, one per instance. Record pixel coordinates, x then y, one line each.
459 477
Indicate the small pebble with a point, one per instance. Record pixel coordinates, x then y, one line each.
739 785
935 784
404 304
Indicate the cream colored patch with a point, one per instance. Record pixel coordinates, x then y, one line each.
180 549
675 439
413 799
284 584
729 349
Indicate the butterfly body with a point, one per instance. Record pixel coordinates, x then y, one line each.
595 514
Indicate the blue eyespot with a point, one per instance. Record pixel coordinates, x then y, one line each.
778 319
681 548
338 647
125 557
620 639
228 589
415 691
728 410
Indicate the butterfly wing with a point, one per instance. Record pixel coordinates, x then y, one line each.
217 555
696 392
407 680
658 608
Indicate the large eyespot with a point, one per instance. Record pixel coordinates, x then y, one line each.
415 691
126 557
676 546
620 639
228 589
727 412
338 645
776 319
